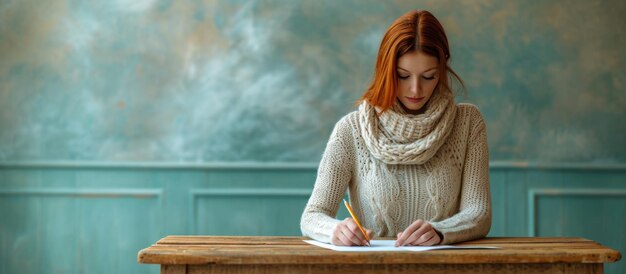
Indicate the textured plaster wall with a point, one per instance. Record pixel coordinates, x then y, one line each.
200 81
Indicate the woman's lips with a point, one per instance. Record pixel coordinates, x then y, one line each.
415 100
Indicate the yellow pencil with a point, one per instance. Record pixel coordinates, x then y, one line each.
357 221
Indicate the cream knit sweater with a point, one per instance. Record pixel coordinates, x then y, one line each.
398 168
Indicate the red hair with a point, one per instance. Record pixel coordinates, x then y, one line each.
413 31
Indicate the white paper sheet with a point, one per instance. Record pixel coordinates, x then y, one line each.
388 245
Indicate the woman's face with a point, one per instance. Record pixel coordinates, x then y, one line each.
417 78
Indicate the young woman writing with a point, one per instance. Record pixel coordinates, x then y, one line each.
415 163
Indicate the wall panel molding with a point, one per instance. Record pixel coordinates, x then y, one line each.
535 193
196 193
494 165
161 165
139 193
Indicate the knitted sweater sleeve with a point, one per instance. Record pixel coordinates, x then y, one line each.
334 173
474 217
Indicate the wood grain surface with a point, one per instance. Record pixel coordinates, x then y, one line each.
254 250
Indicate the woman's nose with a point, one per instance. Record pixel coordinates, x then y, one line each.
415 87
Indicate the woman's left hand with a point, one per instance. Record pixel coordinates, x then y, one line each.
419 232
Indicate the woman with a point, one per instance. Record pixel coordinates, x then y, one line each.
415 164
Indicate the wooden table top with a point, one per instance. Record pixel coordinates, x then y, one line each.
292 250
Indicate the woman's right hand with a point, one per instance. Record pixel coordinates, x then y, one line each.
347 233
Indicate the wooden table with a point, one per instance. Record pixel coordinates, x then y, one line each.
213 254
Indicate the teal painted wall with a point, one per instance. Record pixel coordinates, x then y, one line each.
94 218
125 121
197 81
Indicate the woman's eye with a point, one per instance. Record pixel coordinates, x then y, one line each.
403 76
428 78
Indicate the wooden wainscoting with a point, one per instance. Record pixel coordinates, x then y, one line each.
83 217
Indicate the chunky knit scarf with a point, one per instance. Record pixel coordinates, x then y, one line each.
395 137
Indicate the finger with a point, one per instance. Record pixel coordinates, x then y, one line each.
364 240
370 233
415 225
402 236
351 237
338 236
412 238
336 239
356 231
354 228
432 241
419 233
343 240
370 236
342 235
424 238
398 239
408 232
